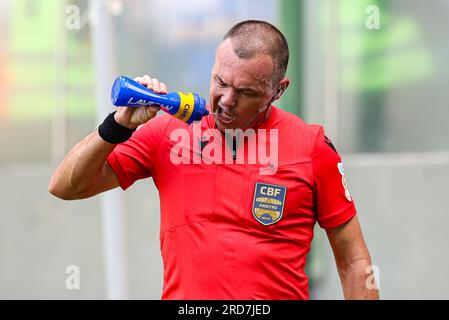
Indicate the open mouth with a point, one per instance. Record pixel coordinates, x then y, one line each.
223 116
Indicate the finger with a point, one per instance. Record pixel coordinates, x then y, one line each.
163 88
141 80
151 112
149 82
156 85
154 108
147 78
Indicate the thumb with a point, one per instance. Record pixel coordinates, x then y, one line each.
151 111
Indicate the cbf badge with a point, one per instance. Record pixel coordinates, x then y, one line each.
268 202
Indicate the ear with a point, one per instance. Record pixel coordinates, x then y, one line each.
282 86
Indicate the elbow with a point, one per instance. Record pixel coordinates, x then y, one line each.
58 194
56 190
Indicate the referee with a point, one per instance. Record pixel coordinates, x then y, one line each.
231 229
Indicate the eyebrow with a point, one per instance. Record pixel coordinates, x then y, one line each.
240 88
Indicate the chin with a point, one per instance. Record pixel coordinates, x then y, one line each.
221 126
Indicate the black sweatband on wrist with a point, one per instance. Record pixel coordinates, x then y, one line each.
113 132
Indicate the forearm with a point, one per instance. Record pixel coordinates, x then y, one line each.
82 165
357 280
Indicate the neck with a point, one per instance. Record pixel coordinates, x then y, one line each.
259 118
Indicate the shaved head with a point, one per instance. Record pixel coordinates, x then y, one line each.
251 38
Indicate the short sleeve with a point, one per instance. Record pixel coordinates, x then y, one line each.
333 202
135 158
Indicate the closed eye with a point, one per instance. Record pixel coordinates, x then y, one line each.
220 82
249 93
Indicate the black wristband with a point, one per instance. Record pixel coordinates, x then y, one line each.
113 132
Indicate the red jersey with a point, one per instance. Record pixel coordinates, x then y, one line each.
236 230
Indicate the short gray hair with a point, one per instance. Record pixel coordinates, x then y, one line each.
251 38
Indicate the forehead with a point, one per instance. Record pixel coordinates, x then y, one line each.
242 72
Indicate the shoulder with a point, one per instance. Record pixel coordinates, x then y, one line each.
288 121
297 133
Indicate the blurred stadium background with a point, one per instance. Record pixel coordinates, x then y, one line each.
380 90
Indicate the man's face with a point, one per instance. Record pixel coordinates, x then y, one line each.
240 88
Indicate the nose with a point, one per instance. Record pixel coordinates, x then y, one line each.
229 98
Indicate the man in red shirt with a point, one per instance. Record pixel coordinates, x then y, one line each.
233 225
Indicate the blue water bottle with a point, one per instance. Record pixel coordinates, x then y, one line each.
187 107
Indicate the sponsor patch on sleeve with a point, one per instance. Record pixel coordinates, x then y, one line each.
341 169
